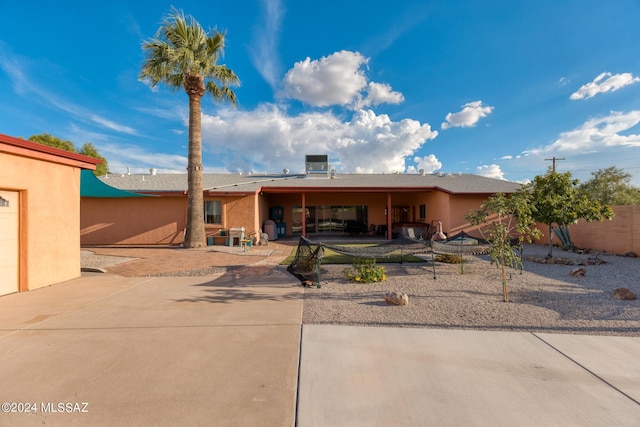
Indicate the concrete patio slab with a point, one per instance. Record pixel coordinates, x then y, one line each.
359 376
165 351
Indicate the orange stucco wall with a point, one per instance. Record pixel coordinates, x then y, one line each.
460 206
241 211
156 220
132 221
619 236
49 218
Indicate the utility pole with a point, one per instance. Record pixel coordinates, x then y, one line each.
554 159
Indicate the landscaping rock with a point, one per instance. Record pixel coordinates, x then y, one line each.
578 272
396 298
624 294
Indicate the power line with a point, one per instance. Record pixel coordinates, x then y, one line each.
554 159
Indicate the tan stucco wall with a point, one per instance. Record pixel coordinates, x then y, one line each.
460 206
619 236
50 219
438 208
132 221
240 211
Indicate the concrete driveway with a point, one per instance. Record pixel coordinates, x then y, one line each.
142 351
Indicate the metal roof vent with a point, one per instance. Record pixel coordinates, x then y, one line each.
153 171
285 171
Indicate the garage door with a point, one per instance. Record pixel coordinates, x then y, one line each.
8 242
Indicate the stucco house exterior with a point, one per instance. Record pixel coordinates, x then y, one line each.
39 214
312 204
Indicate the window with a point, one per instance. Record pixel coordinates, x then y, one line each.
423 211
212 212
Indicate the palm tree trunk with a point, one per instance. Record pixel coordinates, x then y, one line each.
195 235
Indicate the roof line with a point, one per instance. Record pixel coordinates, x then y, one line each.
253 182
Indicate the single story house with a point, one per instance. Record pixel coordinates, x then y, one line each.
39 214
316 203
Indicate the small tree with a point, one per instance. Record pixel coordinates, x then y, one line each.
87 149
53 141
611 186
502 219
557 200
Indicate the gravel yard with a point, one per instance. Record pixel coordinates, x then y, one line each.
544 298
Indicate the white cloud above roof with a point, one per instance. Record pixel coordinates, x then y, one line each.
337 79
268 139
490 171
428 163
604 82
469 116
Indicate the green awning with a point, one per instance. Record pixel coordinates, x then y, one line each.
91 186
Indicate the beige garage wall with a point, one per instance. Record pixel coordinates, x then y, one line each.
50 216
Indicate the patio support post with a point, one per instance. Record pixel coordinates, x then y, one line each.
389 216
304 215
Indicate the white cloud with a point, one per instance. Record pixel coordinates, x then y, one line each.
428 163
122 156
337 79
605 82
490 171
380 93
596 134
469 116
264 53
268 139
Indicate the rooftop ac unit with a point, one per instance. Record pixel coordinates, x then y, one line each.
317 164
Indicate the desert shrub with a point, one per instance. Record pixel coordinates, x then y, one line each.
366 271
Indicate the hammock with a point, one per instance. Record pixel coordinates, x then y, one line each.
461 244
306 263
401 245
465 244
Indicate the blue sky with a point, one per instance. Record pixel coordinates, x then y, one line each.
487 87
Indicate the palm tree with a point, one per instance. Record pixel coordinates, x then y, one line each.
183 55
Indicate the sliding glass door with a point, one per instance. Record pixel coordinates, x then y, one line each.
330 219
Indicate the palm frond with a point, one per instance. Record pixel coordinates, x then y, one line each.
182 47
223 93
